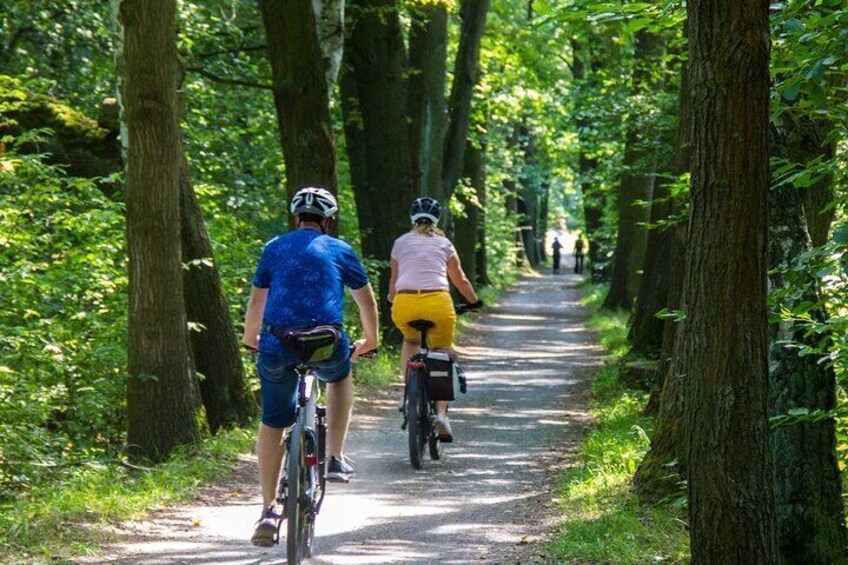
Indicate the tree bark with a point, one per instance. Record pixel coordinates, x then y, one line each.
594 200
465 74
661 260
428 41
374 101
807 485
329 24
162 401
300 94
664 466
637 180
723 344
214 346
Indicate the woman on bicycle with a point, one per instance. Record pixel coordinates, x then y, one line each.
423 260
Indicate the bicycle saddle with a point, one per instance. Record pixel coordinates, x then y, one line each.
421 325
311 344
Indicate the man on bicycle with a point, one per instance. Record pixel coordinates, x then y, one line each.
299 282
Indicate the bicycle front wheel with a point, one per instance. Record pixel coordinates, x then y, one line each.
297 507
417 424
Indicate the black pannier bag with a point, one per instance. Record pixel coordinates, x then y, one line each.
442 375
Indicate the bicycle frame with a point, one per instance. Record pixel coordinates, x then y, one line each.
301 490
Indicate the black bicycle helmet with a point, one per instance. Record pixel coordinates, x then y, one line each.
317 201
425 210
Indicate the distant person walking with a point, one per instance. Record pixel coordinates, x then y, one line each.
557 246
578 255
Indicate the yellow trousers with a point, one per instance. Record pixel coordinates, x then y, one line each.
434 306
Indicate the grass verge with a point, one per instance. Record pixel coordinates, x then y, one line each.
602 520
66 519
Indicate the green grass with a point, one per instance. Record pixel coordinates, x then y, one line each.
382 370
602 520
63 521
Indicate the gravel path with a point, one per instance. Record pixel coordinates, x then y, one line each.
528 360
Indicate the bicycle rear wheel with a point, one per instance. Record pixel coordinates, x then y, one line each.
417 424
433 441
297 509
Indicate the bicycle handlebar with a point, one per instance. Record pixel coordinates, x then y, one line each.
461 309
366 355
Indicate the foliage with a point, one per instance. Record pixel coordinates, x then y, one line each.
47 527
602 519
63 289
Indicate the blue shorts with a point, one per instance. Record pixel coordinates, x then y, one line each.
279 381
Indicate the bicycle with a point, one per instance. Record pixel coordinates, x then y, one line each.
302 482
419 410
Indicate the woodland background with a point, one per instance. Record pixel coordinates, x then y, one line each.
528 116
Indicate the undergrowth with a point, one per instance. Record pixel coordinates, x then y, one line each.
67 518
602 519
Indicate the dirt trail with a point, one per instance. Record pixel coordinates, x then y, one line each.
528 360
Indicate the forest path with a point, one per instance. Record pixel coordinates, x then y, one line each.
528 361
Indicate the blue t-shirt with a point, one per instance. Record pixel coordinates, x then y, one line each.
305 272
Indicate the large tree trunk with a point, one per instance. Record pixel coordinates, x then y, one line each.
646 330
465 74
807 486
214 346
723 343
637 180
162 401
428 40
300 94
374 100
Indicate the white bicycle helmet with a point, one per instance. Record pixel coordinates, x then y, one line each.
425 210
312 200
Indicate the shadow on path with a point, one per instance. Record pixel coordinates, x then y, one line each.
528 360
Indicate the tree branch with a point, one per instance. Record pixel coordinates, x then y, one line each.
239 49
223 80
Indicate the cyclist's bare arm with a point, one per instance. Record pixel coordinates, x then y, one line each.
368 317
393 281
253 318
460 281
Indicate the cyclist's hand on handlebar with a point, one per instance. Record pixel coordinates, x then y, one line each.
465 308
362 348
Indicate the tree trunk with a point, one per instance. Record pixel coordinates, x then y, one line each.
428 40
542 229
467 228
664 466
329 24
162 402
646 330
807 486
214 346
723 343
374 100
806 140
637 180
481 257
465 74
300 94
594 200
